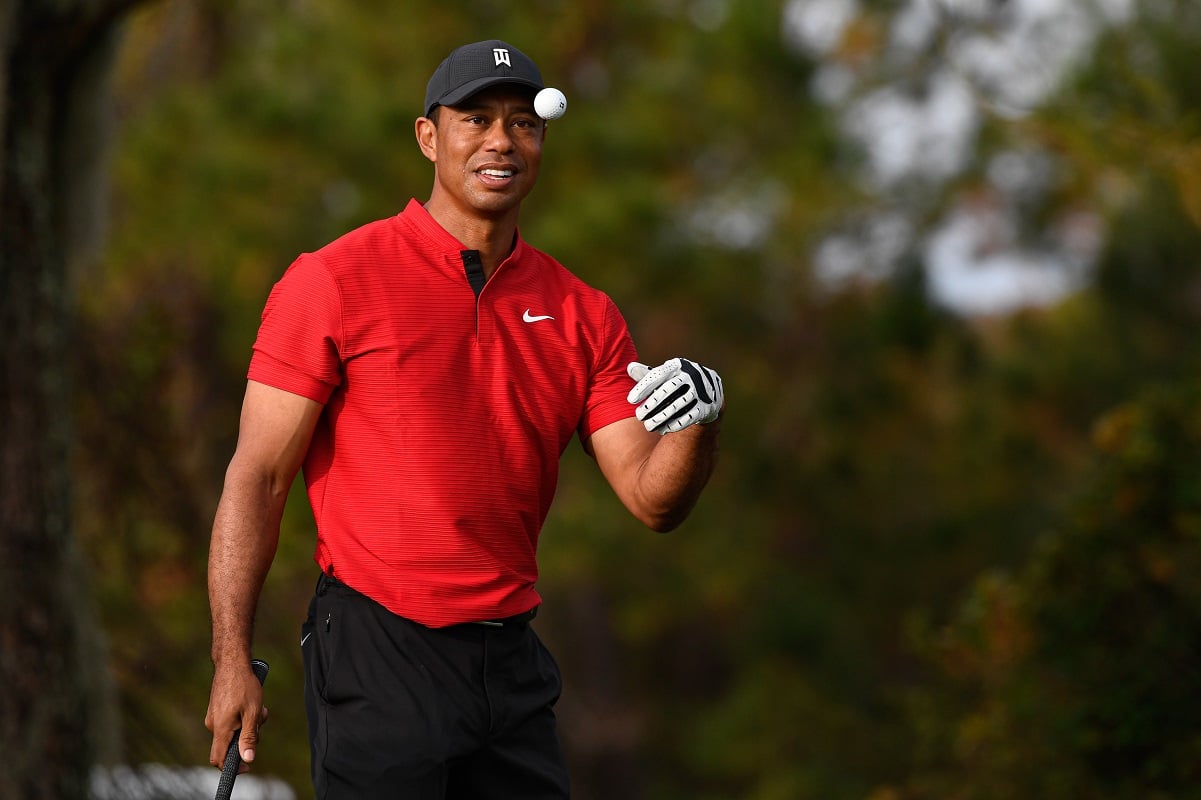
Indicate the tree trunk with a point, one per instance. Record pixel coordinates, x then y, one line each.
55 56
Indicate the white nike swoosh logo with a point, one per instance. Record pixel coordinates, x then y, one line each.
528 317
306 638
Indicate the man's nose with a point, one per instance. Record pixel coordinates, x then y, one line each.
499 138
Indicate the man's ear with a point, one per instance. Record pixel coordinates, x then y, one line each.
427 137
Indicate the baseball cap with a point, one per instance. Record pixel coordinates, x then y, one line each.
477 66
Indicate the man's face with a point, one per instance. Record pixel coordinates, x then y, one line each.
486 151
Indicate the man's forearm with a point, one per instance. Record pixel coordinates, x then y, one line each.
244 540
676 472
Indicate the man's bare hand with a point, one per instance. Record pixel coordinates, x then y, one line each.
236 701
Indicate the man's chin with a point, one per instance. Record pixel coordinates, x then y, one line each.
497 204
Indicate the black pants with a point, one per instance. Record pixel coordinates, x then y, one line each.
401 711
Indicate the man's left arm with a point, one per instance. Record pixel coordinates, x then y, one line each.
659 461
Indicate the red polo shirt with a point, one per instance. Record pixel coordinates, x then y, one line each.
433 466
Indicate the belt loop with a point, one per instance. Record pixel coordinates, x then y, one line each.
323 582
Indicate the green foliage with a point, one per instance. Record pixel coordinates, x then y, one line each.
1077 676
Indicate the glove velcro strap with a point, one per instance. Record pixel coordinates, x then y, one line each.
703 383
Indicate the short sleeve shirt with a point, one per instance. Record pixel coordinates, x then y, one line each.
435 460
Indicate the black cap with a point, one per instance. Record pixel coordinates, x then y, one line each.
477 66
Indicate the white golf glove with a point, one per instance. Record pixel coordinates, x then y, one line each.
675 394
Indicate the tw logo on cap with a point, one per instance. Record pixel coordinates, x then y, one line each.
501 55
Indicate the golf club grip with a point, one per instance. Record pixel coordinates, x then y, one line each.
233 759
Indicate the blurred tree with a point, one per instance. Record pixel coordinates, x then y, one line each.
1077 676
55 59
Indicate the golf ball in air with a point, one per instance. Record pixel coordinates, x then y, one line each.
550 103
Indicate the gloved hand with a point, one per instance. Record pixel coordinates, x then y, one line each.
676 394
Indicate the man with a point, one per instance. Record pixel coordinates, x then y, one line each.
427 371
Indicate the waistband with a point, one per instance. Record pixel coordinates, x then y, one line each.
517 620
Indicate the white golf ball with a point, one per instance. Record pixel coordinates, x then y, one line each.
550 103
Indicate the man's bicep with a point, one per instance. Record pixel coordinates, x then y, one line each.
275 428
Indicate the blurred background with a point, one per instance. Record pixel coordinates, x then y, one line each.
946 255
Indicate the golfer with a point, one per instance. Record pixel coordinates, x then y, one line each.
427 372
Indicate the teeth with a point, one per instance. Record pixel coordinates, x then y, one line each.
497 173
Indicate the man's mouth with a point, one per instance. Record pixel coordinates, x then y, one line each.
496 173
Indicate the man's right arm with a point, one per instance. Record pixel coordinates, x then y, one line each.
273 437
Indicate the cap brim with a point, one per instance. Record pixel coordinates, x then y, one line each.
461 93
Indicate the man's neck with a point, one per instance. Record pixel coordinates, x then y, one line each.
493 238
